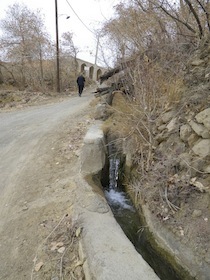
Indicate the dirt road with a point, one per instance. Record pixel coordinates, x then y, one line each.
39 148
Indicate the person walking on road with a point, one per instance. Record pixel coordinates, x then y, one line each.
80 83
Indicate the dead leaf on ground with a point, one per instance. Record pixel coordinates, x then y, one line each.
198 185
56 245
78 232
61 250
38 266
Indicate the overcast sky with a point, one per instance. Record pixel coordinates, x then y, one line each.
91 13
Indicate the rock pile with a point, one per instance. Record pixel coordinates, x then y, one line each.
184 131
181 169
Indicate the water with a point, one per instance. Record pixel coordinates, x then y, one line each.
129 220
114 164
124 212
118 200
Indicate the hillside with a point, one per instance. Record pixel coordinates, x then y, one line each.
169 177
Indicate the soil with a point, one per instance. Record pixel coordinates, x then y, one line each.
39 232
41 224
15 99
175 206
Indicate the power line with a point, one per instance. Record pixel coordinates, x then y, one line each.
97 39
79 18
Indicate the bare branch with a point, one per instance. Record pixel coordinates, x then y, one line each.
196 17
205 11
189 27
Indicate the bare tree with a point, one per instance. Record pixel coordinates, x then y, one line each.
24 40
192 15
69 48
68 44
153 58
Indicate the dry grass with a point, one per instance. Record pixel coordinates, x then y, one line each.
118 123
133 123
57 256
7 87
174 90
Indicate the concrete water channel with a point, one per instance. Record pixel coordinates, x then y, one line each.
106 252
128 218
114 256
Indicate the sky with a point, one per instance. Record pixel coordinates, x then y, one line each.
90 12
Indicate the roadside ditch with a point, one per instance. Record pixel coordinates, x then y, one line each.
107 167
132 221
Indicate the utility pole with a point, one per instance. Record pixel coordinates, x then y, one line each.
57 48
97 46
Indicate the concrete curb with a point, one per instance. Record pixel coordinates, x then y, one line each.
93 153
106 252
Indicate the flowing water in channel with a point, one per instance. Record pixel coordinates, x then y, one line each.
129 220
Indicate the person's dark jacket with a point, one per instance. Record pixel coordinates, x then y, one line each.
81 80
